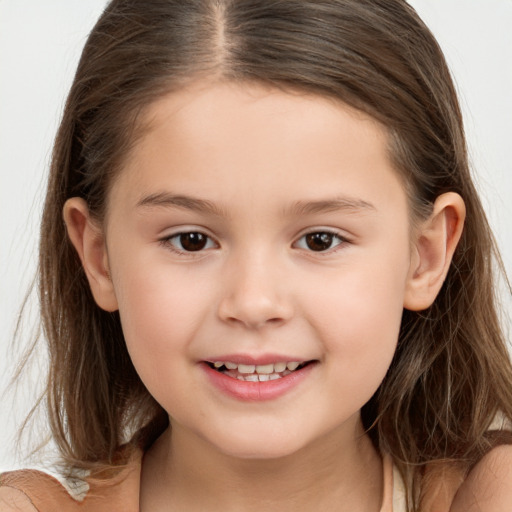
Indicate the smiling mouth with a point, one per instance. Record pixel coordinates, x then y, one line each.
257 373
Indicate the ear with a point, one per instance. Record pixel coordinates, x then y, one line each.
89 241
433 247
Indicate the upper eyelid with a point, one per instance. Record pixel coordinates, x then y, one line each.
335 234
332 231
304 232
181 230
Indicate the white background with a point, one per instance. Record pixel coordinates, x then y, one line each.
40 43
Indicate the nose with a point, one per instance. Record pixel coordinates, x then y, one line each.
254 294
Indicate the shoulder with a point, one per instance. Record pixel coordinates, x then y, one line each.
13 500
31 491
36 491
488 487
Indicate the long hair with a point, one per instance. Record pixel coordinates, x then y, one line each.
451 374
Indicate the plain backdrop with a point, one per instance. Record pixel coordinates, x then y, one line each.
40 43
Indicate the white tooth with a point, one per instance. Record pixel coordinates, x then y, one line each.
274 376
246 368
251 378
265 368
230 366
240 377
218 364
292 366
279 367
263 377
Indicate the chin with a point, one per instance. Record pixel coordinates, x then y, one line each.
260 444
261 451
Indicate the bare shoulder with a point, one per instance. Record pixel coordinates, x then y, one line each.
13 500
30 490
488 488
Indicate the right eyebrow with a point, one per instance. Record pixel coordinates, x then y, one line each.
169 200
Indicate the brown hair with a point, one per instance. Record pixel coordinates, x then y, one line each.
451 373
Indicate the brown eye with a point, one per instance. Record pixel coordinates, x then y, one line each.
319 241
192 241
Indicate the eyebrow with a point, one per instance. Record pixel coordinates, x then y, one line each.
298 208
329 205
168 200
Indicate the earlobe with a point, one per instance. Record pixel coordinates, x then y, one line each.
89 242
434 245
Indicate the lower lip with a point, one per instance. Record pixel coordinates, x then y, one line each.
256 391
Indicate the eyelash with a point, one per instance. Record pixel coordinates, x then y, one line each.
167 242
342 241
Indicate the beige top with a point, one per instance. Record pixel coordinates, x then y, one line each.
31 491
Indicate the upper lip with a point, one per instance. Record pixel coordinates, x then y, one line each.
256 360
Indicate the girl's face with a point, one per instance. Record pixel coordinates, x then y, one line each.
254 230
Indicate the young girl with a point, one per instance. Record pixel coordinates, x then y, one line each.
273 285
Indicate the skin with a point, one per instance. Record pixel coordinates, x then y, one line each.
268 161
488 487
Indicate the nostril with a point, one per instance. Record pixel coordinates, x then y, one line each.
254 309
254 322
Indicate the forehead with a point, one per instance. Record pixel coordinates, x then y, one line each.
235 140
199 107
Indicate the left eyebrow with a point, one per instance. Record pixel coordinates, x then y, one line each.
330 205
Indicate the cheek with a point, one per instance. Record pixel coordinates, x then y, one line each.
160 309
159 317
359 316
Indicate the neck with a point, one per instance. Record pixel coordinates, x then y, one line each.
340 472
